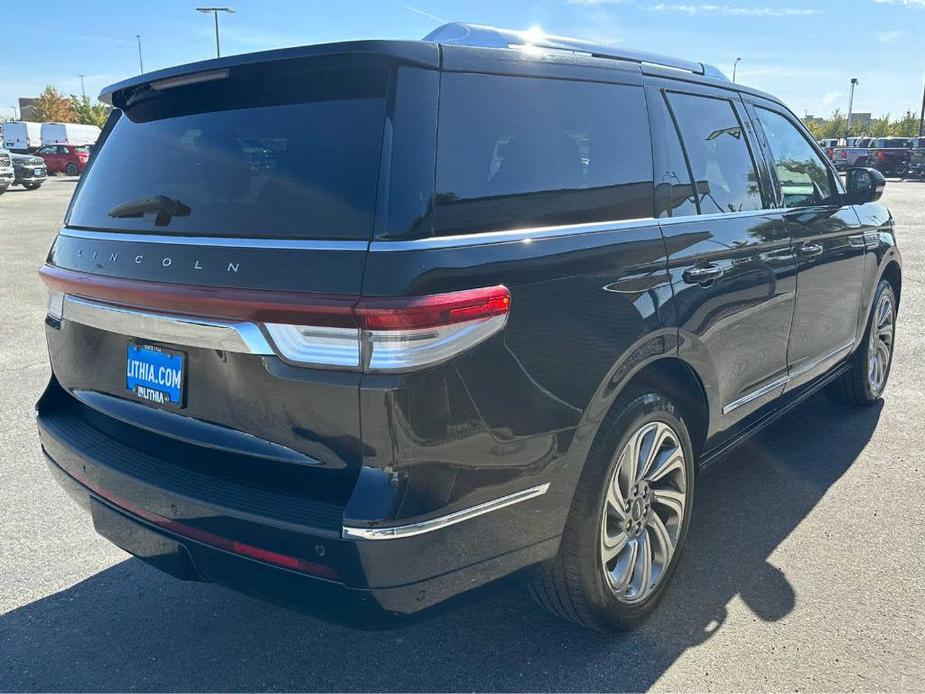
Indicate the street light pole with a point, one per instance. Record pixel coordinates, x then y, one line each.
734 66
141 65
214 11
854 82
83 92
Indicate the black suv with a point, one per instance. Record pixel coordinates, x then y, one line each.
391 321
30 171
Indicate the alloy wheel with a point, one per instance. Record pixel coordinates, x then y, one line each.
880 349
644 511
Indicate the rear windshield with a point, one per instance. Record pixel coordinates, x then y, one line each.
294 153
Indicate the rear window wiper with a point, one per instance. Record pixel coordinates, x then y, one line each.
166 208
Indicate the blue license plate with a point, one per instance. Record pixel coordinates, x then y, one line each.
155 374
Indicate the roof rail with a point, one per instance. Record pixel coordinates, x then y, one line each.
463 34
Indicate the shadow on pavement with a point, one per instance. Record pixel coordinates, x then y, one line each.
129 627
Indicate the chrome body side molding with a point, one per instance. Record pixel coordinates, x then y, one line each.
783 381
400 531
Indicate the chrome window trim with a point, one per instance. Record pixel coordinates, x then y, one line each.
217 241
713 216
509 235
186 331
427 526
783 381
422 244
561 231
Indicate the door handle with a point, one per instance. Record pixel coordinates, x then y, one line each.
703 275
809 250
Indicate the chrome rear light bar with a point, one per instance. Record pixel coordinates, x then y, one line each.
358 333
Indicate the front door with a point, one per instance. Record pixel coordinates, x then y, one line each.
827 242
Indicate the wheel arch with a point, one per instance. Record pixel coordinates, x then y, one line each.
669 374
680 383
893 274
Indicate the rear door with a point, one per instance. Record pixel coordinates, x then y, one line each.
52 159
827 242
732 272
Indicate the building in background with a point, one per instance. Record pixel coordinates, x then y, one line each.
26 110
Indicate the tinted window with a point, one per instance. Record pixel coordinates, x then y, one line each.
802 176
723 169
674 184
516 152
284 154
890 143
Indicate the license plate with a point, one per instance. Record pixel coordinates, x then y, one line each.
155 374
36 172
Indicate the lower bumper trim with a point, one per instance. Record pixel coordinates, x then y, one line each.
400 531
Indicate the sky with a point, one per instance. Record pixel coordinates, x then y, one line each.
802 51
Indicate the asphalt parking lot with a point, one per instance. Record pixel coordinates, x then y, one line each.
805 567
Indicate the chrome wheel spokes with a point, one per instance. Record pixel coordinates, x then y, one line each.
882 331
644 511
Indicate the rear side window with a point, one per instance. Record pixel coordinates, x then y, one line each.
724 171
519 152
288 151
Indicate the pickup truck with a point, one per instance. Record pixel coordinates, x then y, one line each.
917 158
827 145
890 155
850 152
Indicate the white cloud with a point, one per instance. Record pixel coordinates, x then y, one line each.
732 10
890 36
833 98
904 3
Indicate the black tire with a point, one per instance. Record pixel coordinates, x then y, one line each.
71 169
577 587
856 386
2 191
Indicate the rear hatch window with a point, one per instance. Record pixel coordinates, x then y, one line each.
289 151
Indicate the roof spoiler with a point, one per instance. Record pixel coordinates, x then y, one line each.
408 52
462 34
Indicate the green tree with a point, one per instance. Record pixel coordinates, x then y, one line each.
880 127
85 112
51 106
835 125
907 126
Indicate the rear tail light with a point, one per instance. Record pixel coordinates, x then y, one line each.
368 334
398 334
55 303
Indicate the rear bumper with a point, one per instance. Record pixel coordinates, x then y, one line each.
310 565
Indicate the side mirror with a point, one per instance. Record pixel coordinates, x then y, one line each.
864 185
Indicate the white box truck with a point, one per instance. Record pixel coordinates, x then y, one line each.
22 136
69 134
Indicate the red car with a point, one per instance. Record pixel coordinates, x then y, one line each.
71 159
